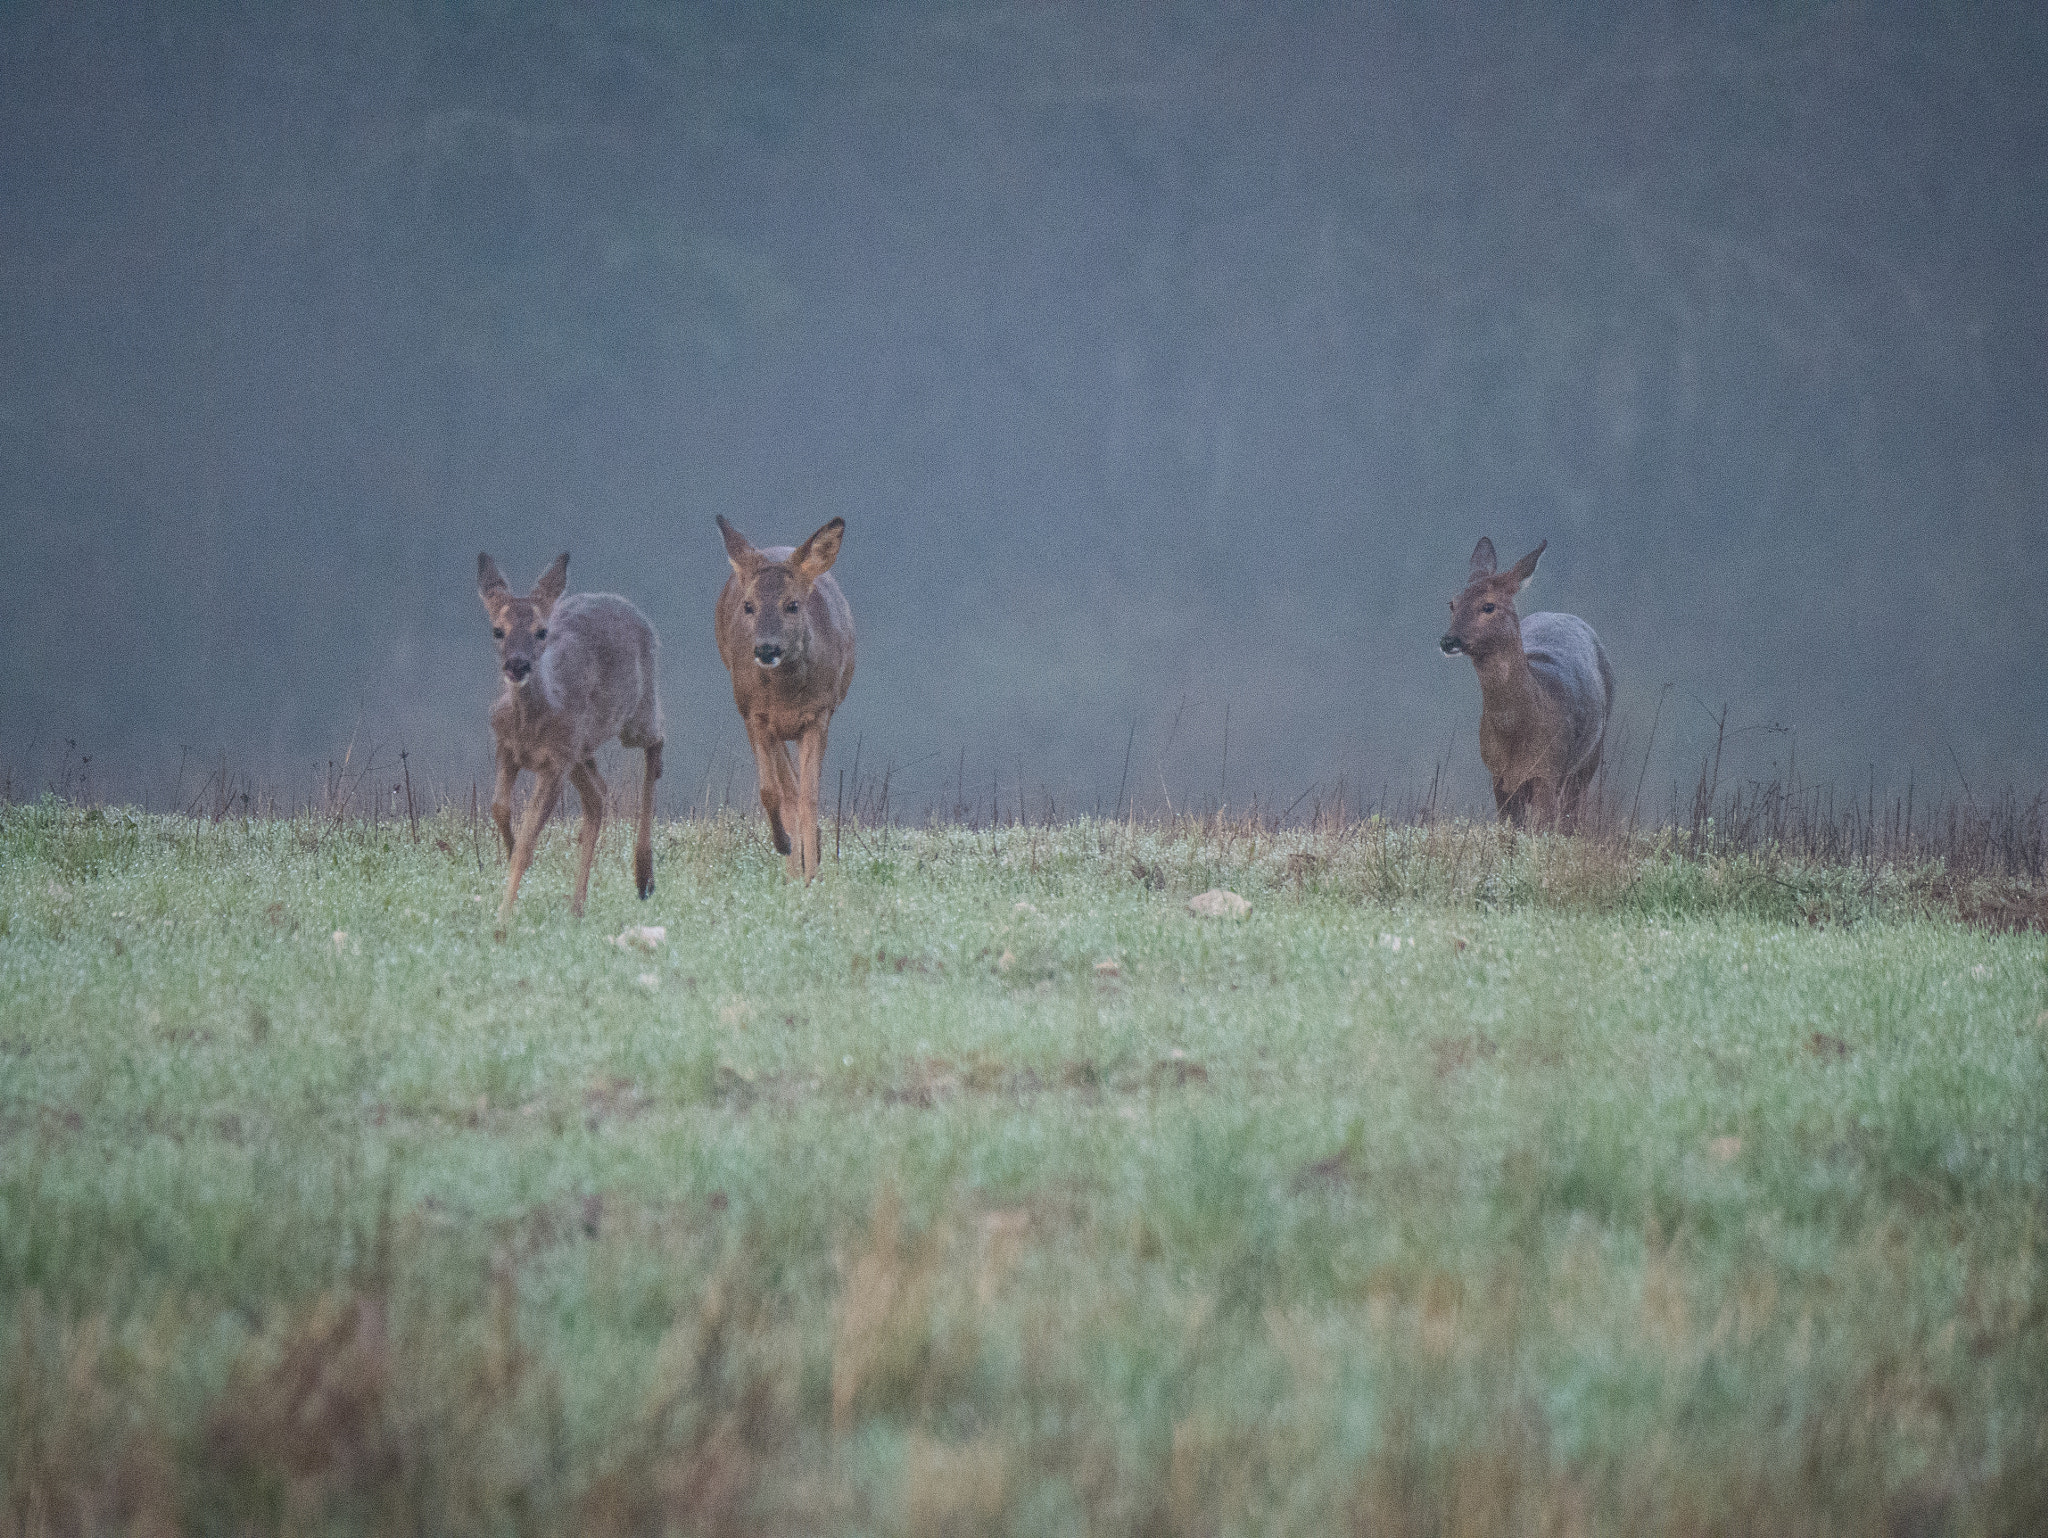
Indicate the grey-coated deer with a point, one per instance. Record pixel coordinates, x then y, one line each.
577 671
1545 690
785 633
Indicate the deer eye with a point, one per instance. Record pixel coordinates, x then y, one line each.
497 632
1486 608
541 634
791 607
747 608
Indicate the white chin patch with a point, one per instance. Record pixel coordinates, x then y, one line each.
775 664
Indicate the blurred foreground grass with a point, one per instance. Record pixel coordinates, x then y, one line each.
1470 1184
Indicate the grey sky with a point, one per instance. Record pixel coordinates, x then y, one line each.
1162 360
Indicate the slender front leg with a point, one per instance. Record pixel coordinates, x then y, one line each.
810 753
537 809
501 796
792 816
1571 800
1513 805
591 787
643 837
772 765
1533 805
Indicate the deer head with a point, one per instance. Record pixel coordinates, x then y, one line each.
773 593
1483 615
519 626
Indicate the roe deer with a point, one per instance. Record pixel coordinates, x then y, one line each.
1545 690
578 671
786 634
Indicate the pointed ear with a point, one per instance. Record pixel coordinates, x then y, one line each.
1525 568
814 557
746 560
490 582
1483 559
552 582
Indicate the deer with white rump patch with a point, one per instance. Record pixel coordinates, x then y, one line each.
785 632
1545 690
577 671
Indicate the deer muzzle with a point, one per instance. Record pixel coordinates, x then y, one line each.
516 669
1451 645
768 654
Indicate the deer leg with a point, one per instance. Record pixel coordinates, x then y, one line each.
1504 805
501 798
792 815
773 769
643 836
591 788
537 808
810 754
1513 805
1571 797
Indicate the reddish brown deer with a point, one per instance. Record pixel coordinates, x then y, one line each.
578 671
785 632
1545 690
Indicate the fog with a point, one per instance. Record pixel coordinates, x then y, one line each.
1165 362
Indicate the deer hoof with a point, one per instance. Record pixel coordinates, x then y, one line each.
781 842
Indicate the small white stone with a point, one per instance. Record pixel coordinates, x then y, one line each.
640 937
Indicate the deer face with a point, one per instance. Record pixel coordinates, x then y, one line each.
519 626
773 606
773 594
1483 616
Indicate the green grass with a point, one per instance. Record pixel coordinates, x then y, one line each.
1470 1184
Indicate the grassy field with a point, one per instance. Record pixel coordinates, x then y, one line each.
1468 1184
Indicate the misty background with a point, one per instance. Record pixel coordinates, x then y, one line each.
1164 360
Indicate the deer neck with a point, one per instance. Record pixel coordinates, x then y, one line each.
1507 689
792 681
529 704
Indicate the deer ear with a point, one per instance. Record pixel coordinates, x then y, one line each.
814 557
552 582
746 560
1483 559
1525 568
490 582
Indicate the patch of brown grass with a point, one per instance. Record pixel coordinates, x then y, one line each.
80 1454
310 1404
880 1321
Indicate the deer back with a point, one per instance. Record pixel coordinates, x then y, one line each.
1575 683
596 677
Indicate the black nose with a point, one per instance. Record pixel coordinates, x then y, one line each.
1450 645
767 654
517 669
